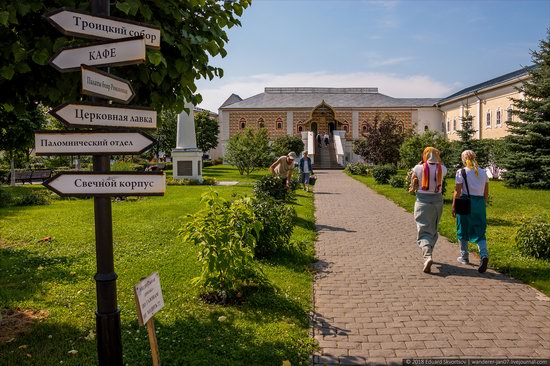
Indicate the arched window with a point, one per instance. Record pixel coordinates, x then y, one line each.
279 123
300 128
242 123
498 118
364 128
261 123
426 128
454 124
448 126
346 128
488 119
509 114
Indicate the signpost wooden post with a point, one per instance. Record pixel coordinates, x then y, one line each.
149 301
127 44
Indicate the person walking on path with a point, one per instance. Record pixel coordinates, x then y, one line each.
429 201
305 170
327 139
471 227
283 167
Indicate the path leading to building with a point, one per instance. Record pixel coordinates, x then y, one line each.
374 305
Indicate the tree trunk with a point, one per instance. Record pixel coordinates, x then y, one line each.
12 171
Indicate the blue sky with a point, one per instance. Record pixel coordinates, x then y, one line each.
407 48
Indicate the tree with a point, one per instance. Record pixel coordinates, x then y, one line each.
285 144
410 152
382 140
248 150
17 133
467 142
166 132
207 130
192 31
528 144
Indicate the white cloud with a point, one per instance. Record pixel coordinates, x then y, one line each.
375 61
214 93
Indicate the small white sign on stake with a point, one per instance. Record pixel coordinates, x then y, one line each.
148 297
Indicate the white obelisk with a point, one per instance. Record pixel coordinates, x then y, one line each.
187 158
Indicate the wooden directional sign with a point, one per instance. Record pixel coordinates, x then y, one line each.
83 114
91 143
77 23
84 184
98 83
127 51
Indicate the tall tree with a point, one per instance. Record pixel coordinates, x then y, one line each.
528 144
410 152
468 142
166 132
207 130
285 144
382 139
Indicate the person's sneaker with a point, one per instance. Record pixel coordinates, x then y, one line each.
428 265
483 265
463 260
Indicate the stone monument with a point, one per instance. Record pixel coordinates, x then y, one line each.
186 157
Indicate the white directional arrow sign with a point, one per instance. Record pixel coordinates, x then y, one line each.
91 143
80 184
98 83
96 115
127 51
77 23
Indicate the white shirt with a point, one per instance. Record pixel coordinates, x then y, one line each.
433 182
476 184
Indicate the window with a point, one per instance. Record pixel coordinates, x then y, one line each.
261 123
425 128
346 128
488 119
279 123
498 121
509 114
448 126
242 123
454 124
364 128
300 128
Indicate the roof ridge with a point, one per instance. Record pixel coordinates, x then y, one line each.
313 90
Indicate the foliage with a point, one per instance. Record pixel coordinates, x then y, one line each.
23 197
225 233
496 153
285 144
382 139
271 186
248 150
166 132
410 152
207 130
467 142
193 32
533 237
357 168
382 173
528 142
398 181
206 181
277 221
125 166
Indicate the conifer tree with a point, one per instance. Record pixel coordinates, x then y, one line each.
528 144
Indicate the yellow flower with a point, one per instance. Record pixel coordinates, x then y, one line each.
286 363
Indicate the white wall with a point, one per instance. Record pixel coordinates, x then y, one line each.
430 117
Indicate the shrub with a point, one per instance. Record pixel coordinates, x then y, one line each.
248 150
23 197
398 181
277 221
225 233
410 152
207 181
382 173
533 237
5 198
271 186
125 166
357 168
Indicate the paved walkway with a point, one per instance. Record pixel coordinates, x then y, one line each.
374 305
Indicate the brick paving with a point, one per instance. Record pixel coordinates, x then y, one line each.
374 305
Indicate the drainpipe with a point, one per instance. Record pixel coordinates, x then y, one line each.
478 133
444 122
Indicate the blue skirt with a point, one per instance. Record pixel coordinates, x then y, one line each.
472 227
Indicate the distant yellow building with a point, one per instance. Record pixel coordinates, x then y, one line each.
489 103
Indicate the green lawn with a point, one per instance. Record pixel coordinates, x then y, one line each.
57 276
508 208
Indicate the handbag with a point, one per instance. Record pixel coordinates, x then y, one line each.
463 204
312 180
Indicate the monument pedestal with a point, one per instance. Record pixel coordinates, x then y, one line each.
187 164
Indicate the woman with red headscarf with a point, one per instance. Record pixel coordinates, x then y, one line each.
427 181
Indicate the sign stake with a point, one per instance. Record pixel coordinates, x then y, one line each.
152 335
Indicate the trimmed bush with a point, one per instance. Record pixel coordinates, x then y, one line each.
357 168
277 221
271 186
206 181
398 181
533 237
382 173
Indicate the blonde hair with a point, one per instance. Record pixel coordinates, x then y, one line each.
469 160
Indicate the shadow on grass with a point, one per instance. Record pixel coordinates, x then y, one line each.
24 273
493 221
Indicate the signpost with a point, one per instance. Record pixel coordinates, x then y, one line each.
106 184
84 114
91 143
149 301
101 183
97 83
78 23
127 51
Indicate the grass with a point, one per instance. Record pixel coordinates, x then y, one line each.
57 276
507 209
